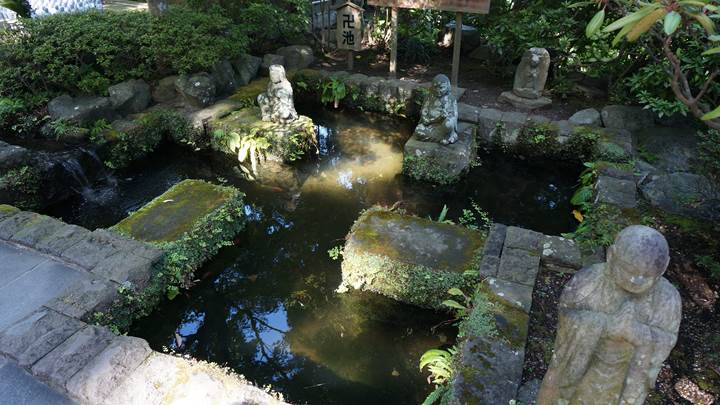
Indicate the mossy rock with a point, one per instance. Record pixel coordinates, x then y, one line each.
288 142
410 259
489 362
174 213
249 93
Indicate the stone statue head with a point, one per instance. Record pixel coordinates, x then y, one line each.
441 85
638 258
277 73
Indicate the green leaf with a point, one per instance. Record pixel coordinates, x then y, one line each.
711 115
631 18
712 51
443 214
595 23
455 291
714 38
453 304
435 396
672 22
620 35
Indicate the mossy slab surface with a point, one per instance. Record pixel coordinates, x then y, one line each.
410 259
168 217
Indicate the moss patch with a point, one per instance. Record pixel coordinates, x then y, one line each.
410 259
169 216
249 93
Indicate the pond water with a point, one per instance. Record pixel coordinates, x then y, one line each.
266 306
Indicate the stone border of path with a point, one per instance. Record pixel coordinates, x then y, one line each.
512 259
88 363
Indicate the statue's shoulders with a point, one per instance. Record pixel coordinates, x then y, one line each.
668 304
583 284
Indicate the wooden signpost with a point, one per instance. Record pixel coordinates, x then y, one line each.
458 6
349 29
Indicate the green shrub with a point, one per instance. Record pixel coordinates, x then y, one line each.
10 112
538 140
86 52
24 183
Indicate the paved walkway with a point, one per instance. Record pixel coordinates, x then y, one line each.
53 277
125 5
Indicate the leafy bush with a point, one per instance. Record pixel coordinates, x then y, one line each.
290 19
86 52
10 110
24 183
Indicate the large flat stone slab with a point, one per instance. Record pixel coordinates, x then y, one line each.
164 379
16 262
410 259
519 266
618 192
33 289
108 369
17 387
85 297
31 338
175 212
58 366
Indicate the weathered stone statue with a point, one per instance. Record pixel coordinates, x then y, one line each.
439 115
530 78
276 104
618 322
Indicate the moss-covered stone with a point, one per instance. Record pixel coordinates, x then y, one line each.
410 259
190 222
440 164
168 217
287 142
248 94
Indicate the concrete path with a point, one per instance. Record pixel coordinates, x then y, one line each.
17 387
125 5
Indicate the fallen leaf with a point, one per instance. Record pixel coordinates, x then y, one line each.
578 215
395 373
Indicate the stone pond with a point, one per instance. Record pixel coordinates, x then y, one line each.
267 306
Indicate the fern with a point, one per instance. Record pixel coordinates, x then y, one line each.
436 395
252 147
439 363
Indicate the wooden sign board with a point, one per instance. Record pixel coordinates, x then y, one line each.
349 27
460 6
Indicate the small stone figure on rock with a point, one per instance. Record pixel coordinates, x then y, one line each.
530 78
276 104
618 322
439 115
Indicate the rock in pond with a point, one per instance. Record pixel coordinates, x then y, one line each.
410 259
247 67
198 90
437 163
269 60
164 91
83 109
130 97
589 116
296 56
288 142
177 211
225 80
627 117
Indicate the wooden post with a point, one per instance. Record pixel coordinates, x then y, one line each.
456 49
393 41
325 22
351 59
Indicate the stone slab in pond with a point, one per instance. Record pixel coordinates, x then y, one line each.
442 164
288 142
168 217
409 259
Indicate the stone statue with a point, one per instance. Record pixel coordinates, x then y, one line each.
530 78
618 322
531 74
276 104
439 115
